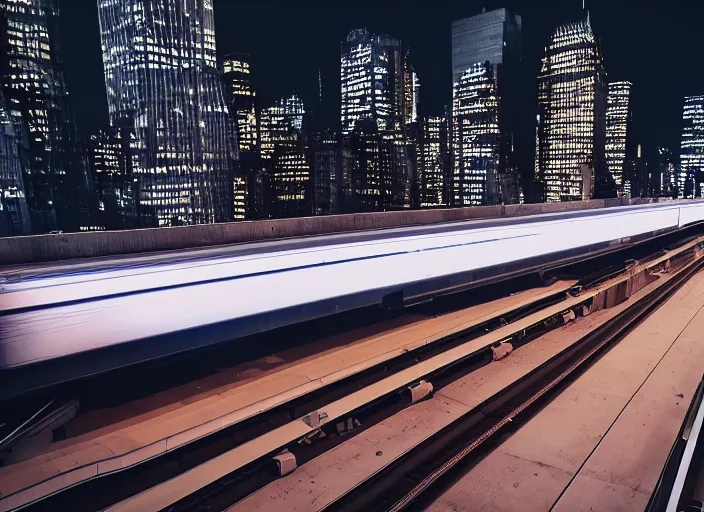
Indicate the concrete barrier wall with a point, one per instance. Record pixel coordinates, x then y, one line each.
43 248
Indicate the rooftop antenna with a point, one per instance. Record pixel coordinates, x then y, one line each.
320 86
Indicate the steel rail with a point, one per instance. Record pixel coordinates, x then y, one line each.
401 483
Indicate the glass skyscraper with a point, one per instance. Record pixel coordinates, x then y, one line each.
618 126
242 95
486 60
371 68
14 215
241 98
113 157
331 161
667 172
411 92
284 157
162 80
433 163
56 182
572 113
375 83
692 147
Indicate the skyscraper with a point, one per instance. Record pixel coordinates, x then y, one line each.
572 113
284 157
476 136
667 173
486 59
113 158
618 127
241 96
55 173
331 161
411 92
373 115
433 163
162 81
692 147
14 215
372 81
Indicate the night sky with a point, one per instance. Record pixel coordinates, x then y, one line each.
660 49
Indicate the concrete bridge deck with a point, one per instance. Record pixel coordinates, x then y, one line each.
47 248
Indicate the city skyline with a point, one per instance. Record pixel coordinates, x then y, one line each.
662 35
189 140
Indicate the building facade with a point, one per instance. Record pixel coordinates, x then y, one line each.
113 158
381 177
372 75
241 97
55 173
618 127
162 81
332 162
476 138
433 163
486 60
667 173
572 113
14 214
375 83
692 148
284 158
411 92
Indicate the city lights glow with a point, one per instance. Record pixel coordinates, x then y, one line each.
692 148
572 109
618 119
165 83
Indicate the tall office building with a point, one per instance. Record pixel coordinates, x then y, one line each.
667 173
572 114
476 135
373 116
618 127
332 162
14 215
281 122
637 180
162 81
433 163
381 177
692 147
486 60
55 173
284 157
411 92
113 157
371 70
241 96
